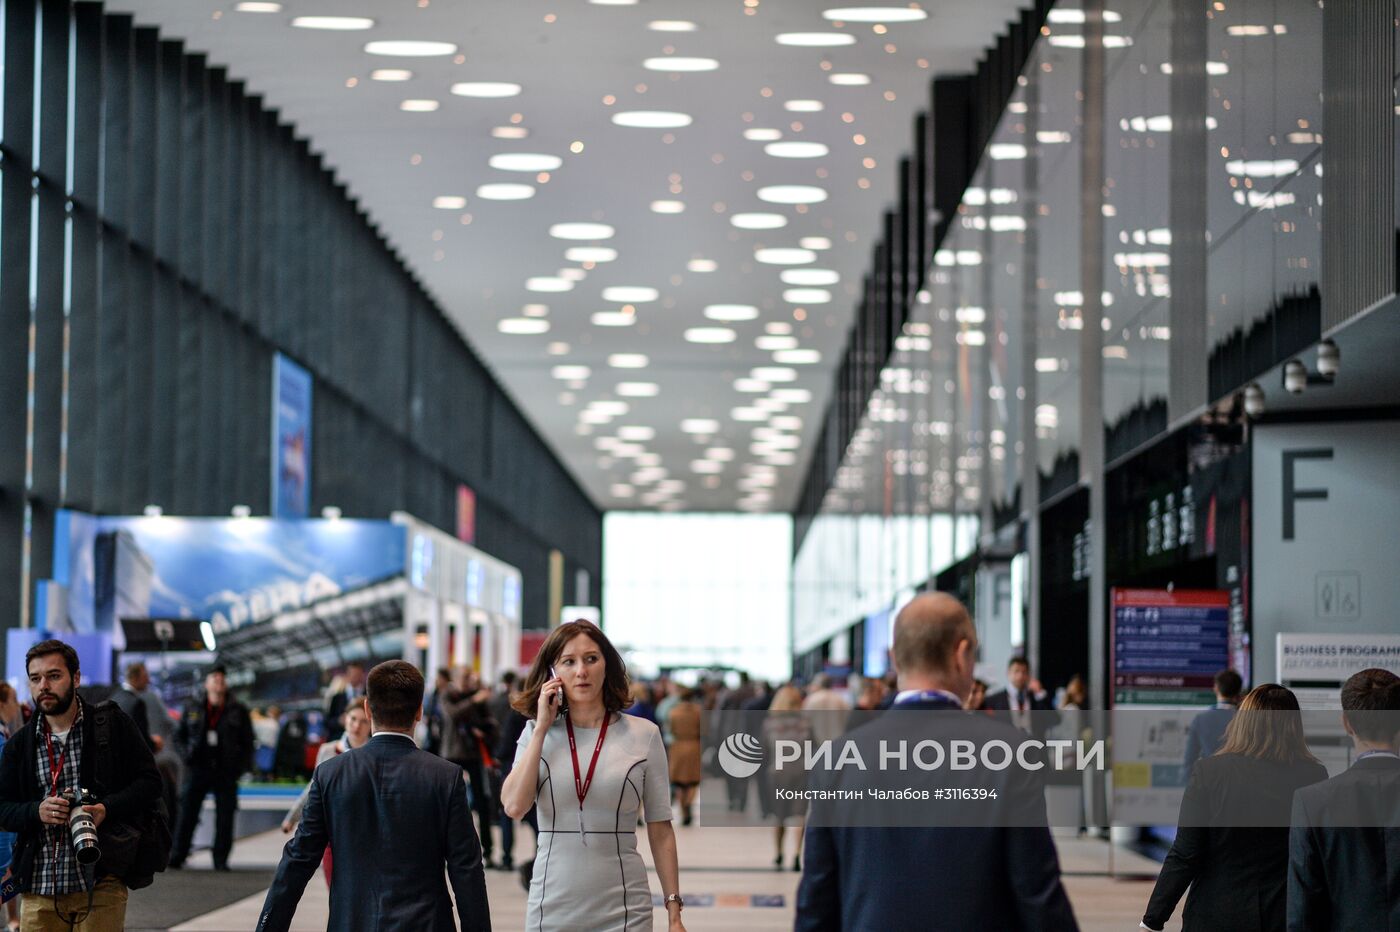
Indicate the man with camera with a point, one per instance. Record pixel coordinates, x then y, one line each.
79 786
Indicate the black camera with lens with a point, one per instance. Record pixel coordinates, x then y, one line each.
82 828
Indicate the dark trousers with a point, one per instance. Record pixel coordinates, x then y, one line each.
482 803
508 832
200 782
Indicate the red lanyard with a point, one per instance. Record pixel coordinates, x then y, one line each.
55 768
211 721
581 785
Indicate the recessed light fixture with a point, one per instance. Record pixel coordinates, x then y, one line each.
251 7
638 434
613 2
706 466
796 150
875 14
748 415
758 221
795 396
510 132
638 389
505 192
557 349
809 276
784 255
672 25
731 312
849 79
449 202
410 49
699 425
628 361
535 310
786 422
1006 151
677 63
524 162
797 357
710 335
489 89
391 74
419 106
815 40
582 231
651 119
338 23
630 294
751 386
770 343
814 242
759 134
792 194
572 274
667 207
546 284
774 374
807 296
803 106
570 373
590 254
701 265
613 319
523 325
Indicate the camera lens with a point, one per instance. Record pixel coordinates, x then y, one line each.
82 829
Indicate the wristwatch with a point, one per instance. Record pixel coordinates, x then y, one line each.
675 898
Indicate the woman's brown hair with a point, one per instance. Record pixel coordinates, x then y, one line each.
617 693
1268 726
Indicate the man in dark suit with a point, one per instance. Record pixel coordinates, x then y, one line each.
339 701
1207 730
393 816
1026 702
1004 871
1344 843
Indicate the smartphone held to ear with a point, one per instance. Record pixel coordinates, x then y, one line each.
559 696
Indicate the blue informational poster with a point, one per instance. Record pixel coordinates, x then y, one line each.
877 644
1168 645
291 439
230 571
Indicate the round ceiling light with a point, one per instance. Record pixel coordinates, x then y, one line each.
803 106
677 63
613 319
630 294
875 14
672 25
731 312
710 335
524 162
505 192
849 79
758 134
809 276
410 49
590 254
548 284
792 194
338 23
582 231
807 296
521 326
815 40
784 255
758 221
486 89
796 150
651 119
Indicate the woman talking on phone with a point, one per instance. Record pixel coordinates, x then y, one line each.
590 770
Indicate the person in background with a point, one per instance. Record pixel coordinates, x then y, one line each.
128 699
977 699
340 699
511 727
664 707
432 710
468 736
1022 698
355 734
9 711
785 722
1344 840
1231 846
641 703
685 753
499 705
823 698
215 738
1207 730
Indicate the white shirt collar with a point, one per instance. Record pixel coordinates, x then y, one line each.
394 734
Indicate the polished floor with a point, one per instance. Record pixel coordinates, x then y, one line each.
727 875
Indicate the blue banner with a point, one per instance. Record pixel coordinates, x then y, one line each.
230 571
291 439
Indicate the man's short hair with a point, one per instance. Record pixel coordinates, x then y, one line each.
1375 695
357 664
1018 662
53 646
928 631
134 670
1229 684
508 678
395 691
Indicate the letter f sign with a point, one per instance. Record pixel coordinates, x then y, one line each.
1291 493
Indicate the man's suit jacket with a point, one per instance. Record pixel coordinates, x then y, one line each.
1344 851
1206 734
393 816
1231 846
1042 721
1007 878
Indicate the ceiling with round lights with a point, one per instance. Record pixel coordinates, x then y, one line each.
651 219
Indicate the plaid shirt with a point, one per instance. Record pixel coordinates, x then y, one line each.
55 868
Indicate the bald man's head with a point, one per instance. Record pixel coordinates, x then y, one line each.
934 640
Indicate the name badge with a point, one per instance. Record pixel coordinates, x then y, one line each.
211 738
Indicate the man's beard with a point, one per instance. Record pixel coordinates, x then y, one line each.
62 703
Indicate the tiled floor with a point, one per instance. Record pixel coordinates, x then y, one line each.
729 864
